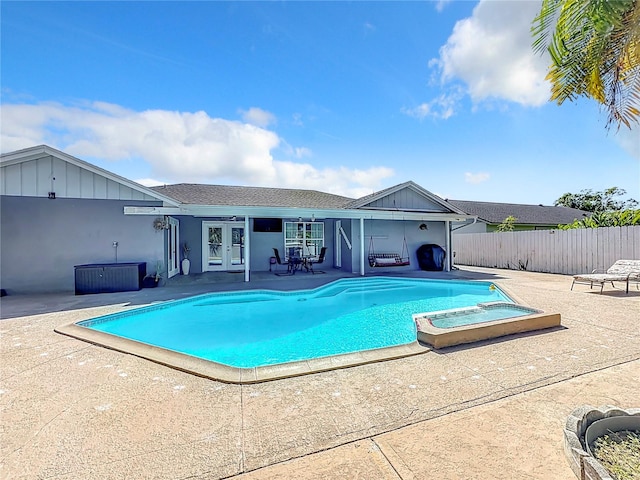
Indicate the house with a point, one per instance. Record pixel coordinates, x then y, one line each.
528 217
58 212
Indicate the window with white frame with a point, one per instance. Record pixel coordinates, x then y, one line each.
303 238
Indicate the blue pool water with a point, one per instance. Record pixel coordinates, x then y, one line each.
264 327
478 314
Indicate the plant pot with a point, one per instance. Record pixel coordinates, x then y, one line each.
609 425
186 265
149 282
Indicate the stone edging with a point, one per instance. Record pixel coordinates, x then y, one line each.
584 465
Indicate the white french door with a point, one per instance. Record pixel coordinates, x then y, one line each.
173 248
222 246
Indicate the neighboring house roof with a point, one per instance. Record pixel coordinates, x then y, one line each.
198 194
495 213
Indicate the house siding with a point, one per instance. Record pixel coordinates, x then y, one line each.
478 227
43 239
522 228
483 227
406 199
36 178
347 259
261 243
388 237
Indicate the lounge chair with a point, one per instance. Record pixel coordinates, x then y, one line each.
627 271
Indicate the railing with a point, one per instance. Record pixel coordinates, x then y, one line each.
552 251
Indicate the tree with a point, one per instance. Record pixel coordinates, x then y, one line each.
616 218
595 52
507 224
591 201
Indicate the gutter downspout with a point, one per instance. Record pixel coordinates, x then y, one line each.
475 220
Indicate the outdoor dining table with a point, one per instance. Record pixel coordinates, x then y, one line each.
298 262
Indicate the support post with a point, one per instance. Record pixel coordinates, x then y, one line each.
447 230
247 249
362 247
338 244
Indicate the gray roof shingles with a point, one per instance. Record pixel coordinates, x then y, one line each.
227 195
526 214
236 196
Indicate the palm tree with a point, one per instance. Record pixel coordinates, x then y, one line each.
595 52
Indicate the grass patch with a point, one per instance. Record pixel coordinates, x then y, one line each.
619 453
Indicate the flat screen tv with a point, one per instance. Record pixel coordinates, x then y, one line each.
267 225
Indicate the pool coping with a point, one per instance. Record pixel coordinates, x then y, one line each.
228 374
424 343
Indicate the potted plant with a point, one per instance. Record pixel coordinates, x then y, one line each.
602 443
151 280
186 263
612 441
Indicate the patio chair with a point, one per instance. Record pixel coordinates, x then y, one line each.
295 258
294 262
621 271
290 271
310 263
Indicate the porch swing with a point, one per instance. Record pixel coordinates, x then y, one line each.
389 259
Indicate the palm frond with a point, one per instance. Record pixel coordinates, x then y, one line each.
595 52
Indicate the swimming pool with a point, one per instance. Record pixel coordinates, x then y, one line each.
263 327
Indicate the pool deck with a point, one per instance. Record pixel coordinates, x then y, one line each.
491 410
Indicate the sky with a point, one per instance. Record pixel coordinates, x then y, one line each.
342 97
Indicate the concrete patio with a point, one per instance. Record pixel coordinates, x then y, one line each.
492 410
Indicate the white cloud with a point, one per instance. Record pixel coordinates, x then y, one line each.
629 140
440 4
491 53
476 178
177 146
296 152
296 119
258 117
441 107
149 182
341 180
302 152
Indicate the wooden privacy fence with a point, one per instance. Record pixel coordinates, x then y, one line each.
552 251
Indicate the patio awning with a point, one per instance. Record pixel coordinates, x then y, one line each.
282 212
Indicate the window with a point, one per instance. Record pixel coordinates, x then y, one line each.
308 237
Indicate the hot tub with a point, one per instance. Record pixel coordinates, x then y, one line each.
486 320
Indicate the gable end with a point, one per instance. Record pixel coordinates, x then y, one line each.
42 170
